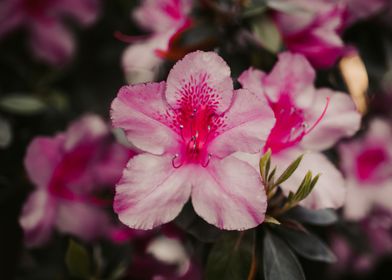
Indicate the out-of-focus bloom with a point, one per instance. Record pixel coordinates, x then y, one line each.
49 39
67 171
367 164
188 127
314 28
308 120
375 234
165 19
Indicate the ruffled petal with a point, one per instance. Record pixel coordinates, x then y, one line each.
200 79
340 120
141 111
38 217
330 190
85 11
292 75
151 192
83 220
51 42
248 123
229 194
42 157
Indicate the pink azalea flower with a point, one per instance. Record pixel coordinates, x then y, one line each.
165 19
308 120
50 40
66 170
188 127
367 164
313 28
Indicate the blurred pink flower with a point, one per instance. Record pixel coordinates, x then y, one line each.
367 164
165 19
188 127
314 28
49 39
67 170
308 120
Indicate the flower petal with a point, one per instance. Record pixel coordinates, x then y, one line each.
248 123
229 194
85 11
200 78
292 74
51 42
38 217
252 80
329 191
151 192
340 120
42 157
83 220
11 16
141 111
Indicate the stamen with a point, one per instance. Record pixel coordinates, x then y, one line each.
174 164
207 162
320 117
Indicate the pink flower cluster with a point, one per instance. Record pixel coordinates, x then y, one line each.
201 139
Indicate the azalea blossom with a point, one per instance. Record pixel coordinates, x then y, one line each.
165 19
188 128
50 40
67 171
314 27
308 120
367 164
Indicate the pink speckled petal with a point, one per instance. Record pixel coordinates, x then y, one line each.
229 194
38 218
151 192
329 191
42 156
248 124
200 79
292 75
51 42
340 120
83 220
252 80
142 112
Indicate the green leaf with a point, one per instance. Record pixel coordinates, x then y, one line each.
271 220
5 133
254 10
22 104
307 245
78 261
265 162
289 171
304 189
279 262
232 257
267 33
321 217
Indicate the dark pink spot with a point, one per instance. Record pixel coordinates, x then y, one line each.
369 161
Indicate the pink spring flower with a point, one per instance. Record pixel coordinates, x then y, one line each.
367 164
308 120
188 127
164 18
313 29
50 40
67 170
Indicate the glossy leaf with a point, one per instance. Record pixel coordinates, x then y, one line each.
320 217
279 262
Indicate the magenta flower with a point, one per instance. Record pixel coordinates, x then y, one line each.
164 18
308 120
313 29
50 40
188 127
67 170
367 164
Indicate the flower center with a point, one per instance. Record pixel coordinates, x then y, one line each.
369 161
290 126
196 127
